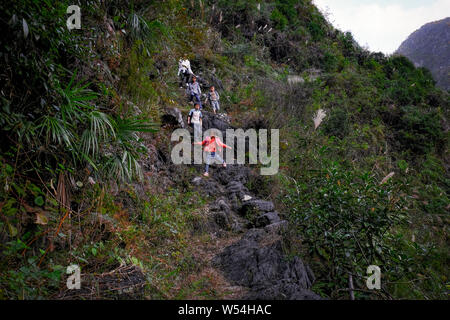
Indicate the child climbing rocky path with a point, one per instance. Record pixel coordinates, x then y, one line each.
252 260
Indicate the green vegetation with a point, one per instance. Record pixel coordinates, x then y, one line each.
345 219
383 115
79 143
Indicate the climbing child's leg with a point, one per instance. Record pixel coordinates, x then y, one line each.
199 101
208 160
197 132
218 157
216 106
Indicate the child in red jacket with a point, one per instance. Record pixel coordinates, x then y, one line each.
210 145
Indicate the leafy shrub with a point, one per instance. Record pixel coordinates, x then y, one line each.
279 20
316 27
407 85
348 43
234 13
418 131
337 123
345 218
55 111
288 8
329 61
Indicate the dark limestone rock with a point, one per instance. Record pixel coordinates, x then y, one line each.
277 227
197 181
223 205
267 219
236 192
264 269
212 121
222 219
237 226
233 173
256 206
208 186
235 202
236 187
173 116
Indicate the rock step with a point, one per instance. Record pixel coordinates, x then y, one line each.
262 267
256 206
266 219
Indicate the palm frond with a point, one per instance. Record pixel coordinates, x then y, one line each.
139 28
123 167
84 156
100 130
101 124
77 98
55 130
135 124
126 128
89 142
18 123
131 165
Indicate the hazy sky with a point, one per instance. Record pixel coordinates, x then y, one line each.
382 25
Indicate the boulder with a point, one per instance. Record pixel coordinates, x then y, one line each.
222 219
174 116
212 121
277 227
236 188
208 186
234 173
266 219
265 269
256 206
196 181
221 204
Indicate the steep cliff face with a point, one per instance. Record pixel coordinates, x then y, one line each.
429 47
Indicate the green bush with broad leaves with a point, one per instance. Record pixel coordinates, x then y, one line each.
337 124
279 20
345 218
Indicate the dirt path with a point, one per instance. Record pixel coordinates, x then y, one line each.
245 258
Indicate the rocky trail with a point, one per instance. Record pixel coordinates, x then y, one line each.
252 258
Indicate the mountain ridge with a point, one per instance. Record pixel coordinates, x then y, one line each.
429 47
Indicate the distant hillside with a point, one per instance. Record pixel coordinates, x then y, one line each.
430 47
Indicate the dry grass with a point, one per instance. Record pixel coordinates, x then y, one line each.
204 249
